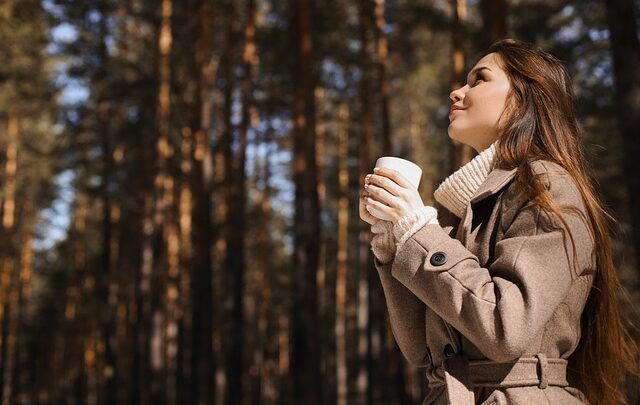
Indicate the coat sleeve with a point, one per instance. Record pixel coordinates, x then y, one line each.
406 316
499 307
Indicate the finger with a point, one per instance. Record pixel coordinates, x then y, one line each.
365 215
394 175
385 209
367 178
385 183
382 195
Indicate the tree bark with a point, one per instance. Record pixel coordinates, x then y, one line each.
19 375
163 201
341 269
305 359
385 86
236 266
202 357
494 19
8 265
235 225
324 293
383 79
365 262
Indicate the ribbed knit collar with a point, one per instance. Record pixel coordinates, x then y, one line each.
456 190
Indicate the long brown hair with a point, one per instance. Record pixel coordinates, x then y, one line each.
540 122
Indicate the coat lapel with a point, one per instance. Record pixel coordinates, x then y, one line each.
495 181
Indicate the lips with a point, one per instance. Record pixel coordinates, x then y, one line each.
454 108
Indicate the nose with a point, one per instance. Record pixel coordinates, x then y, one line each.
458 94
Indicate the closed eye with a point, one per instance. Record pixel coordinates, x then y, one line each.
478 79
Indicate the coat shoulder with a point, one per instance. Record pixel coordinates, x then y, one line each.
560 185
555 178
548 170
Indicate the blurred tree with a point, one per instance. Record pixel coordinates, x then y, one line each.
494 17
202 356
27 141
305 359
625 50
365 262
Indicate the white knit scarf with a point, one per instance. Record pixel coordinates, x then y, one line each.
456 190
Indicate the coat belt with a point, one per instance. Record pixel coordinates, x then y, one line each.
460 375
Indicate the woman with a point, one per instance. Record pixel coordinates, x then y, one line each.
505 290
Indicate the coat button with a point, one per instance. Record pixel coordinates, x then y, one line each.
438 259
448 351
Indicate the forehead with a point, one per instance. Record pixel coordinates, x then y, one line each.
490 60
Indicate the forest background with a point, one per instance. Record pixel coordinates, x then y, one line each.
179 184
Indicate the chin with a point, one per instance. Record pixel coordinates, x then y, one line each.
455 135
464 137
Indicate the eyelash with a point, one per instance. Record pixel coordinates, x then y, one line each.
478 78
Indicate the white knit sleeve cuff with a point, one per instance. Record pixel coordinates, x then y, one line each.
383 243
411 223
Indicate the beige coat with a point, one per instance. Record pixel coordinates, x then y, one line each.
488 304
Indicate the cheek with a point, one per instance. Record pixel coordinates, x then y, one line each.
489 106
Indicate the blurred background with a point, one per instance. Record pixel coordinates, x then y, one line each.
180 182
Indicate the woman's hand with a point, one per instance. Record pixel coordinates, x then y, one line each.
364 214
391 194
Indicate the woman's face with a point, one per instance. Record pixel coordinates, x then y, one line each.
481 101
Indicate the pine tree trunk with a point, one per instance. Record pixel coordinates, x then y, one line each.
494 20
305 364
9 203
325 296
171 294
341 269
235 225
163 204
625 50
19 374
236 266
365 264
142 355
203 361
7 260
385 85
184 373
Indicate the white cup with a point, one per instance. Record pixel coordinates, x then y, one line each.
411 171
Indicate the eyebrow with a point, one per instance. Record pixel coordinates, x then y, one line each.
476 70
